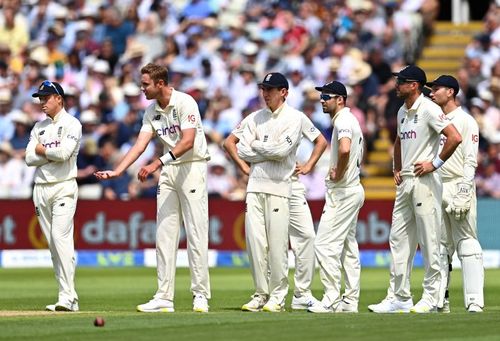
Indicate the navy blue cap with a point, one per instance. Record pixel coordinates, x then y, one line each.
446 81
49 88
412 73
334 88
274 80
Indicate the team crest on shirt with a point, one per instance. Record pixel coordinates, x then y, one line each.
59 132
174 114
415 119
266 137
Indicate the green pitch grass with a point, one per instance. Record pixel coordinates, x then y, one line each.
113 294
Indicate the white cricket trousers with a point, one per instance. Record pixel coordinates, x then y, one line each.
416 220
301 232
182 197
266 230
336 246
55 206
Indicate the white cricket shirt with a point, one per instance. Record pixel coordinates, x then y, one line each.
181 113
419 128
61 137
346 125
463 162
269 141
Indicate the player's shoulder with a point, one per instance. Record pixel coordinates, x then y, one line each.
431 105
71 119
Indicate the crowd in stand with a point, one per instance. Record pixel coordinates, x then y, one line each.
217 51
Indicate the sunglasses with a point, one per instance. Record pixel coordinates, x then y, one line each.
50 84
326 97
403 80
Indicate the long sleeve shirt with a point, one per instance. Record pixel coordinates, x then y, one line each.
61 138
269 142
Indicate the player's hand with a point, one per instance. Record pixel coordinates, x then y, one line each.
302 169
460 204
149 169
398 179
40 149
105 175
333 174
421 168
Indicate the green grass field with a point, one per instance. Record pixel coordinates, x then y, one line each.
113 294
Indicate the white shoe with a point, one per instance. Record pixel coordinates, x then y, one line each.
392 305
273 306
256 303
200 304
303 302
63 306
320 308
157 305
423 307
347 307
474 308
446 307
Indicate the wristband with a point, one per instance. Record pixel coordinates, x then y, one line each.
167 158
437 162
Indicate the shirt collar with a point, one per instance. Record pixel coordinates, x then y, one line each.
171 103
415 105
277 111
58 116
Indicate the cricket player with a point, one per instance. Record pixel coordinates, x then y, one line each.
269 143
301 227
52 149
459 201
336 235
416 217
174 118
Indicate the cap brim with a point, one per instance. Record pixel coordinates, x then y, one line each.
431 84
42 93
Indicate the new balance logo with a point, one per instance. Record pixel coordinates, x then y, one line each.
192 191
62 205
42 132
276 210
157 118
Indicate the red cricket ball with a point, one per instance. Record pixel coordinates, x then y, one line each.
99 322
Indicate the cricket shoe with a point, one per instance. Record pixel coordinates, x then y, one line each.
446 307
157 305
423 307
200 304
391 305
320 308
273 306
63 306
345 306
474 308
256 303
303 302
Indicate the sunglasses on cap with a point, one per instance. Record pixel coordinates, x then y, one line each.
404 80
326 97
49 83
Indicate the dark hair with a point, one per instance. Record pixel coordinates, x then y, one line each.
156 72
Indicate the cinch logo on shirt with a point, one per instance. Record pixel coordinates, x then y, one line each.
408 135
53 144
175 129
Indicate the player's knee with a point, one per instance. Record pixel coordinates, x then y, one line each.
469 247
